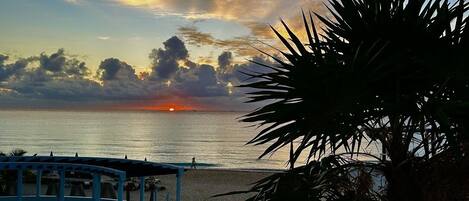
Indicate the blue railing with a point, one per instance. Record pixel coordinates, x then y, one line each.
61 168
96 166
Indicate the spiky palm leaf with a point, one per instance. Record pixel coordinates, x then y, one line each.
387 71
379 60
315 99
422 66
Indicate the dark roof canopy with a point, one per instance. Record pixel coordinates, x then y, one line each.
133 168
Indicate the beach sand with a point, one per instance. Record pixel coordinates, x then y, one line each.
197 185
200 185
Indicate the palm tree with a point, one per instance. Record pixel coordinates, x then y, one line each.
14 152
17 152
387 72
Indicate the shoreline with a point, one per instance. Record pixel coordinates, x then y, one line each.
213 166
254 170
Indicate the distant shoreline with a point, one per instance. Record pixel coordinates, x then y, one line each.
116 110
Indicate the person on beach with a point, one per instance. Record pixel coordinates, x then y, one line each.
193 163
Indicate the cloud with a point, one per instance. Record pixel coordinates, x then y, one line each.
225 59
199 82
3 58
114 69
240 45
59 64
54 62
64 79
239 10
205 60
194 37
255 15
119 81
103 37
260 30
165 60
72 1
55 76
8 70
74 67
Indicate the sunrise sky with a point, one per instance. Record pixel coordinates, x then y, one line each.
136 54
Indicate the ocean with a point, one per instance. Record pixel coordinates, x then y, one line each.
216 139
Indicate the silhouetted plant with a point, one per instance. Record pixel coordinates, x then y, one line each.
325 180
17 152
8 177
387 72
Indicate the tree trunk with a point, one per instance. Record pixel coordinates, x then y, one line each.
402 173
403 184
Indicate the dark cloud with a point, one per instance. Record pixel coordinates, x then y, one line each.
61 89
6 71
55 77
114 69
119 81
77 68
58 64
225 67
165 61
54 63
200 81
3 58
238 74
225 59
63 78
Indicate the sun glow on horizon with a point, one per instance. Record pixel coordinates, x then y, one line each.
167 107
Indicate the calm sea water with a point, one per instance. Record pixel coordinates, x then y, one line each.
212 137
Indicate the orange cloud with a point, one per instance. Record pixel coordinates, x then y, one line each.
240 45
255 15
208 9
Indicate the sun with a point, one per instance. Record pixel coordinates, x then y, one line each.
166 107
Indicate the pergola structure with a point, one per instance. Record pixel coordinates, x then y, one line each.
113 167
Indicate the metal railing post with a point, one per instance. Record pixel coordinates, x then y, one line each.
179 175
96 187
38 183
120 188
142 188
19 185
61 193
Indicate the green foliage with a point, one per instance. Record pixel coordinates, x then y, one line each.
389 72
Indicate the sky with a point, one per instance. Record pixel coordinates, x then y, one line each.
136 54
